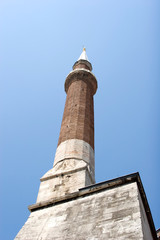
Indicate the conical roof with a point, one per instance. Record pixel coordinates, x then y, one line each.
83 55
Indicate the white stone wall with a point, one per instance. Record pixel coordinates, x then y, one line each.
110 214
76 149
73 169
66 177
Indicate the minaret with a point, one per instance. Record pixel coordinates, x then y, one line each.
67 207
74 165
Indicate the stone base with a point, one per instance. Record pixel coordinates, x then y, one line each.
65 177
73 169
75 149
115 209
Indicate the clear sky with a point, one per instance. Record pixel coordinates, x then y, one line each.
39 42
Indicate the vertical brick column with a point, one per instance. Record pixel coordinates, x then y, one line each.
74 165
78 117
76 139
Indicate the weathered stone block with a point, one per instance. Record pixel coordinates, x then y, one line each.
96 213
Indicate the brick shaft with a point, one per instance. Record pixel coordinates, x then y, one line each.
78 117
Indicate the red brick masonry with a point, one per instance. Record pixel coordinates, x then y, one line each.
78 117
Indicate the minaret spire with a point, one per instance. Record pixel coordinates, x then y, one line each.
74 165
83 55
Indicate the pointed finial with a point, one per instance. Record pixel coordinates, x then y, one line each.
83 62
83 55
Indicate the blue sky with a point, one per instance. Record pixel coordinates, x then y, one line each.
39 43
